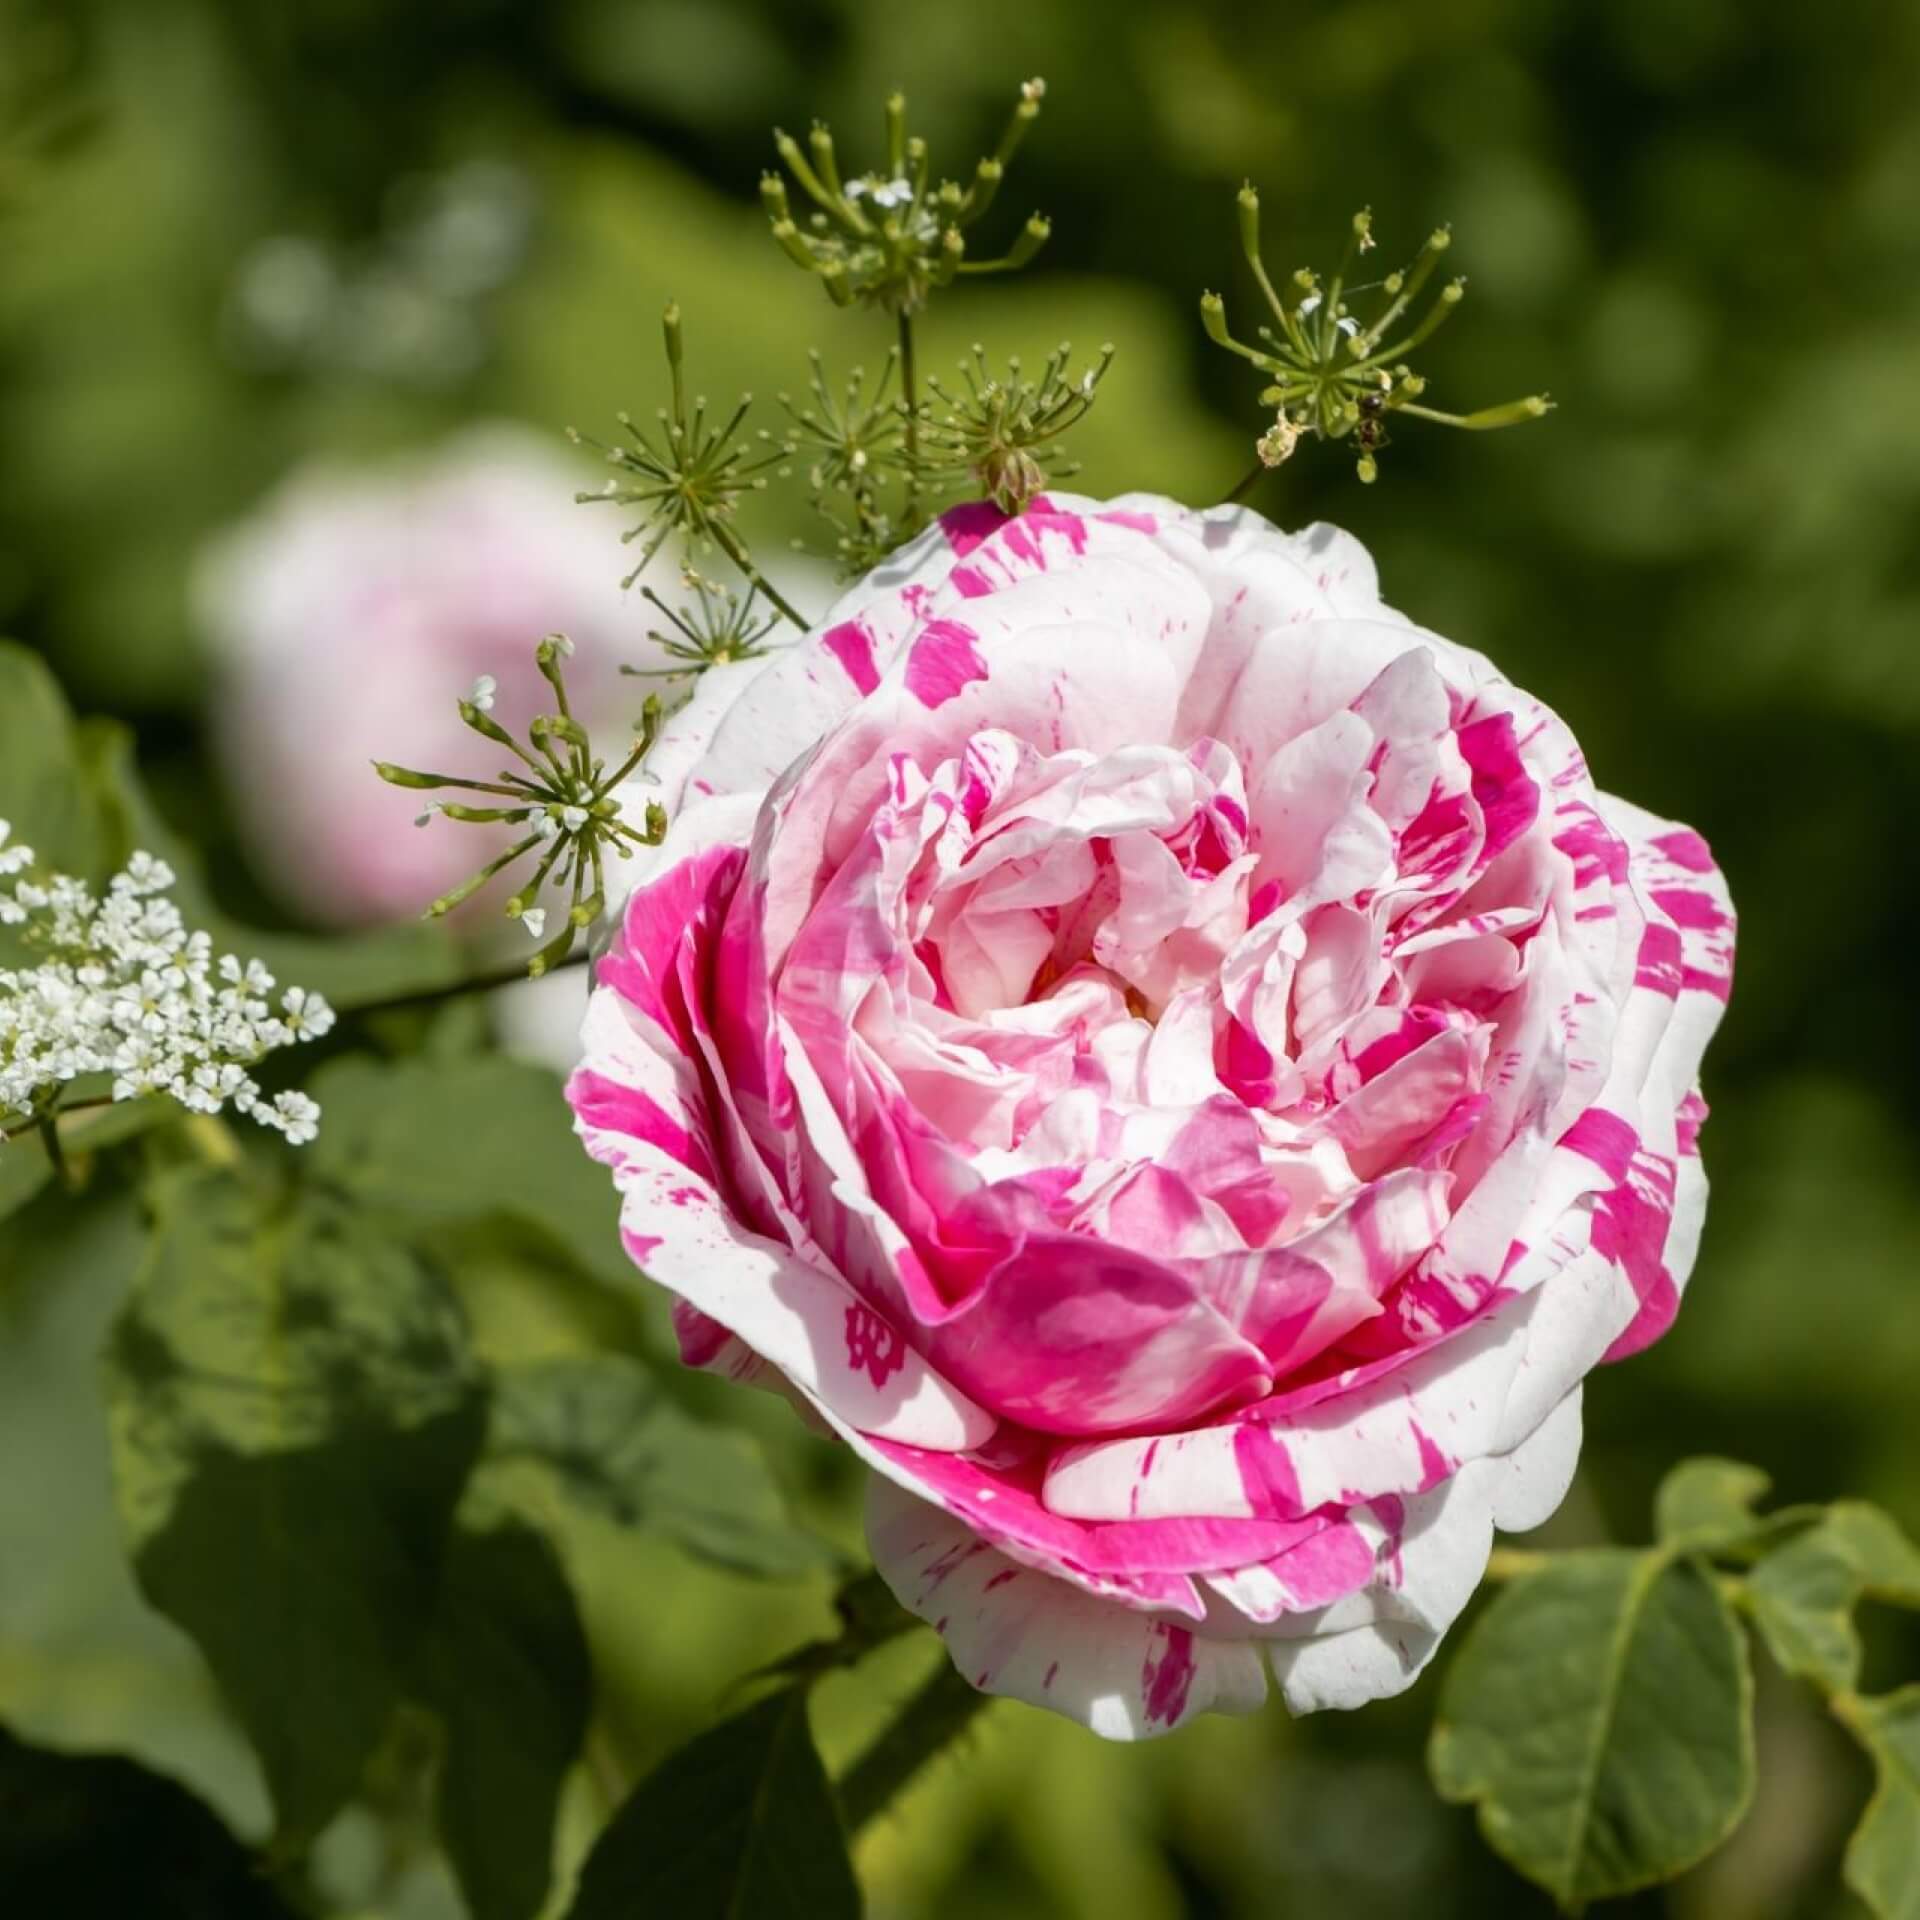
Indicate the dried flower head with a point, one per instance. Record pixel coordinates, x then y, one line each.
717 627
1336 374
887 238
689 476
854 442
1001 435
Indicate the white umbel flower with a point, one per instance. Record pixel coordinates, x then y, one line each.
883 193
128 990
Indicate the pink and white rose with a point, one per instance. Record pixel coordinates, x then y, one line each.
1183 1070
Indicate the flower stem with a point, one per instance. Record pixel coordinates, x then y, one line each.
49 1124
502 976
910 397
933 1719
1246 482
735 550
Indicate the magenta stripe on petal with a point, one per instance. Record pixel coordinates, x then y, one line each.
970 523
945 661
852 645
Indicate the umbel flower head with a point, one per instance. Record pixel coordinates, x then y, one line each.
854 444
688 477
716 628
1336 374
1000 437
561 794
885 239
126 990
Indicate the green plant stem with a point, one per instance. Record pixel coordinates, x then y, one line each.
56 1153
1245 484
932 1720
605 1770
44 1124
504 976
732 546
910 398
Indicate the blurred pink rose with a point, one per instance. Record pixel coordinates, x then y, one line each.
1183 1070
351 613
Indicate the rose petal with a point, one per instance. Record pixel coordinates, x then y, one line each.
1125 1675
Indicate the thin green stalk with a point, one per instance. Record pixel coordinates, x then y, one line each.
56 1153
504 976
910 393
730 545
1246 483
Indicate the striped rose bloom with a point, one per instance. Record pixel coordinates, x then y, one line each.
1182 1070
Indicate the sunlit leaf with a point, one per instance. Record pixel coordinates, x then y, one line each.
49 796
87 1834
1803 1595
24 1170
25 1167
1883 1858
1600 1714
1887 1561
740 1824
1802 1600
293 1420
1707 1502
617 1447
439 1141
506 1668
47 792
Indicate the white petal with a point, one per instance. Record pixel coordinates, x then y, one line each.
1376 1643
1350 1669
1125 1675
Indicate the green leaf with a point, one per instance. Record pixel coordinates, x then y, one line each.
1600 1713
506 1668
740 1824
47 792
1804 1594
526 1296
95 1834
25 1167
24 1170
617 1447
1883 1858
441 1141
1708 1503
1802 1599
294 1418
1887 1561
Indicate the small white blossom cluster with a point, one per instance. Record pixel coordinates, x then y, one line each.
127 990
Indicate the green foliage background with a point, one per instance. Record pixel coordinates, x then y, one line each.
1696 221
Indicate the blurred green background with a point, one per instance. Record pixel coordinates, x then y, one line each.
283 227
